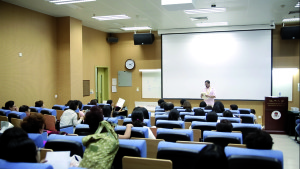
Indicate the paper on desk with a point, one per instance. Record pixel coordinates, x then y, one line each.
120 102
58 159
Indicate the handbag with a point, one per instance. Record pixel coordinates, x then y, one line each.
101 148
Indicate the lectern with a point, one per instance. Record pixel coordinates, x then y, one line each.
276 109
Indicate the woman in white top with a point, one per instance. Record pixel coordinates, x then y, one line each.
69 117
137 118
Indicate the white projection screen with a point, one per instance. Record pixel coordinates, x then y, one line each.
237 63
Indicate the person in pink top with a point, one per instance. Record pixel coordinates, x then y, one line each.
208 94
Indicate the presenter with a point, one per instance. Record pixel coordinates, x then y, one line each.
208 94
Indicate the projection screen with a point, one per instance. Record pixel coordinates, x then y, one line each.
237 63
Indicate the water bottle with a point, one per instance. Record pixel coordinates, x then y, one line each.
279 94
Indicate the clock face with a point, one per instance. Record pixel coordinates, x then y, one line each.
129 64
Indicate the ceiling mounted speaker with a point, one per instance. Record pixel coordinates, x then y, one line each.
112 40
290 32
143 38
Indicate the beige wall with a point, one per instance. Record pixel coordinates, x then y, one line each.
31 77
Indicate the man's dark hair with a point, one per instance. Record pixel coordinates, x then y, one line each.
208 108
137 118
168 106
234 107
202 104
94 102
109 102
144 110
106 111
199 112
259 140
227 113
79 103
93 118
174 115
160 101
207 81
73 105
224 126
23 108
162 105
39 103
212 117
218 107
33 123
9 104
182 101
212 156
252 111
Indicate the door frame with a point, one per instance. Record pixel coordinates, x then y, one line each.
105 88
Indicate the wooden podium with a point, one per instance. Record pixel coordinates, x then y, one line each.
276 109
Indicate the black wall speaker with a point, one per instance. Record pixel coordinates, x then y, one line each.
290 32
143 38
112 40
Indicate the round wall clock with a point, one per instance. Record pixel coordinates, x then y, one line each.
129 64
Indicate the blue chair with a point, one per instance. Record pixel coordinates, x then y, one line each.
207 111
128 147
86 107
231 119
6 165
159 113
161 117
245 128
59 107
226 109
83 130
253 158
35 109
194 118
170 124
181 155
198 108
15 114
160 110
48 111
67 129
6 112
173 135
247 118
222 138
244 111
203 126
220 114
64 137
181 110
129 121
37 138
140 132
178 107
111 119
183 114
235 111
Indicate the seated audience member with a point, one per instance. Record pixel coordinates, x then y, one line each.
202 104
69 102
15 146
162 105
93 102
218 107
39 103
10 105
224 126
144 110
34 123
79 103
160 101
138 121
69 117
259 140
199 112
208 108
212 156
182 102
168 107
25 109
174 115
227 113
234 107
255 118
297 128
212 117
111 103
187 106
106 111
95 116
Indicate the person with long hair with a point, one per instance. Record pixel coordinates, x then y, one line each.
137 118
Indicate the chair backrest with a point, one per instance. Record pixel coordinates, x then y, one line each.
170 124
35 109
183 114
254 158
48 111
235 111
145 163
181 155
50 122
87 107
160 110
194 118
140 132
6 164
59 114
13 115
245 128
65 145
16 122
244 111
247 118
2 113
3 118
181 110
111 119
173 135
64 137
231 119
161 117
37 139
134 148
222 138
83 130
204 126
59 107
159 113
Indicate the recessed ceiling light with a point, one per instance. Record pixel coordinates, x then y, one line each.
111 17
205 10
199 18
60 2
173 5
136 28
212 24
297 5
291 20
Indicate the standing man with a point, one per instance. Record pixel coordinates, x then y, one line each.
208 94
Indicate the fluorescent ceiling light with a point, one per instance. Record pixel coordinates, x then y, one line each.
291 20
60 2
199 18
111 17
174 2
212 24
173 5
207 10
297 5
136 28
